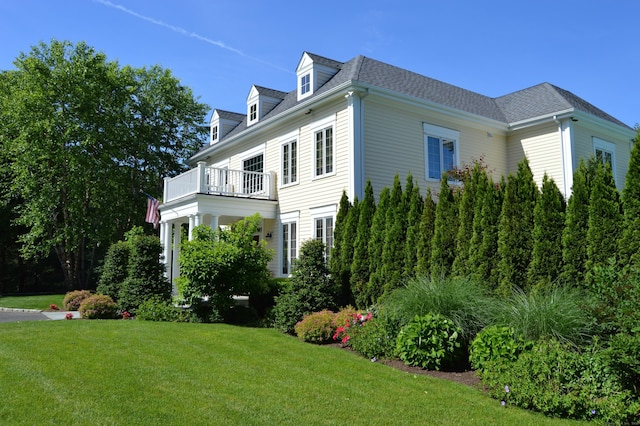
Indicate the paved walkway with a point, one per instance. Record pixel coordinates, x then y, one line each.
15 315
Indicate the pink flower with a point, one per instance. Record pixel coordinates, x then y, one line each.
53 307
345 339
68 316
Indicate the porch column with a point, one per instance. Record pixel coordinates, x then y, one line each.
165 239
175 267
194 220
214 223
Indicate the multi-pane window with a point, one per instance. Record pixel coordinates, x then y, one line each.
253 181
253 112
605 152
440 150
305 84
290 162
324 233
324 151
214 133
289 246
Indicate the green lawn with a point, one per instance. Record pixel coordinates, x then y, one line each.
31 302
116 372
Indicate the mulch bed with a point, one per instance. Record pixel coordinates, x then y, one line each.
469 378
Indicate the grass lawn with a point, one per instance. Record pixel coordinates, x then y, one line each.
117 372
32 302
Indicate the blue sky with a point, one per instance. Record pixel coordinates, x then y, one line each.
219 49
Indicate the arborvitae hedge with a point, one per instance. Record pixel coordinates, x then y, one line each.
466 214
361 260
350 229
415 205
515 229
427 226
483 258
546 259
445 231
376 243
335 261
574 235
605 218
629 247
394 239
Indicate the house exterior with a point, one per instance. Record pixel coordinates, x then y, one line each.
290 155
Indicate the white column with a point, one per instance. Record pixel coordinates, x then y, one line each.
192 221
356 146
165 239
175 266
214 223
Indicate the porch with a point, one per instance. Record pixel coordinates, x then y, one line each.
214 197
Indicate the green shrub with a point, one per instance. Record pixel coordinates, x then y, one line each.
115 269
98 306
155 309
557 380
430 341
376 338
316 327
310 288
344 316
462 300
73 299
558 313
623 355
495 343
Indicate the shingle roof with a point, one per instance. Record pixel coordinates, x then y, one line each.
530 103
272 93
228 115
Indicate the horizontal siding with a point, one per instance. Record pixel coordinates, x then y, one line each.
394 143
541 145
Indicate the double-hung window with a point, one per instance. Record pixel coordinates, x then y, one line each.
305 84
323 222
253 112
214 133
289 152
289 241
440 150
605 152
324 151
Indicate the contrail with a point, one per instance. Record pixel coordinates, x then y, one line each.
184 32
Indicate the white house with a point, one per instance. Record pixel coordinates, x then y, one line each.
291 154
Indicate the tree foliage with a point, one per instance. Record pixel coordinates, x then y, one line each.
443 243
376 243
84 136
427 225
361 260
629 247
395 236
216 265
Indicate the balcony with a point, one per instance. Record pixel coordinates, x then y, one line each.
216 181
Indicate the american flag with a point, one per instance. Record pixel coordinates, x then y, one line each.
153 216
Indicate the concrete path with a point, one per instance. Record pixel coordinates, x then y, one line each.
15 315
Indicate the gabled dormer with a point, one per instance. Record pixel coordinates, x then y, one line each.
222 122
313 71
261 101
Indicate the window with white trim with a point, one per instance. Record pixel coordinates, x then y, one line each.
324 233
440 147
605 152
305 84
289 242
253 181
253 112
214 133
323 153
290 162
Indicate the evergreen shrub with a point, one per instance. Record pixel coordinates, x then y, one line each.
98 306
376 338
73 299
495 343
430 342
316 327
156 309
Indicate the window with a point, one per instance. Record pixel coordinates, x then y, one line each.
253 181
289 246
324 151
305 84
605 152
253 112
290 162
440 150
324 233
214 133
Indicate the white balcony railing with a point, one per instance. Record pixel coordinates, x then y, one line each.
216 181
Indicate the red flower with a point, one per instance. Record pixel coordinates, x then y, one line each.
68 316
345 339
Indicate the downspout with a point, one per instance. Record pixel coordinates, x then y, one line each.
356 141
565 152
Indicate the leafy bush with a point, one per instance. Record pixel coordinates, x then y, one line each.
310 288
73 299
495 343
462 300
558 313
430 341
115 269
316 327
614 296
623 355
376 338
155 309
557 380
98 306
344 316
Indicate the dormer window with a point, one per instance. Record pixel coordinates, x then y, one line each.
305 84
214 134
253 112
